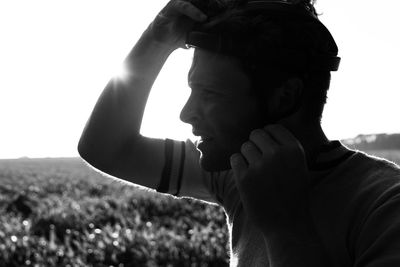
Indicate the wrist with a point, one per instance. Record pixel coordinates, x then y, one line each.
150 37
147 56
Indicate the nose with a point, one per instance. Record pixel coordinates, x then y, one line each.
190 113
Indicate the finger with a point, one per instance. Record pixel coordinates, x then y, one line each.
189 10
250 152
282 135
264 142
238 164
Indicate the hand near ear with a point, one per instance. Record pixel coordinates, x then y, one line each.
272 179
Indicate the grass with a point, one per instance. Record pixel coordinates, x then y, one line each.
60 212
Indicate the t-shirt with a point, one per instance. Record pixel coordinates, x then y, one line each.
354 202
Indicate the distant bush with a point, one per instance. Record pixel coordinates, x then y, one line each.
374 142
61 213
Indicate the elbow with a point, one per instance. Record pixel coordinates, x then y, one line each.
92 154
84 152
100 155
104 155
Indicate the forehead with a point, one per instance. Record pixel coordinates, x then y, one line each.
219 72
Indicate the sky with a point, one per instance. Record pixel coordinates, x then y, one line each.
56 57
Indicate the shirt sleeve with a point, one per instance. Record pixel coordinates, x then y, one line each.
182 175
378 243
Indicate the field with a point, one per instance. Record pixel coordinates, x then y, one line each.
59 212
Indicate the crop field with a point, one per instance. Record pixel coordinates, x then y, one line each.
59 212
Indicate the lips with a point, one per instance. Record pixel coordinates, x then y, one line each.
204 138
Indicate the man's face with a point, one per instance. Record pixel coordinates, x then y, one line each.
221 108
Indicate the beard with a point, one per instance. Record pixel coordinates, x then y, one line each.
213 163
216 153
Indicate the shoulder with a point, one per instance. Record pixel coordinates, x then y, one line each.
374 169
368 179
355 188
375 233
366 169
380 179
360 199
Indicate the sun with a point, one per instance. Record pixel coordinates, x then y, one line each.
120 71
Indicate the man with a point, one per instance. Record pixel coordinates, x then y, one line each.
259 78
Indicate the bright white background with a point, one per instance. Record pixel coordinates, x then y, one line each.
57 56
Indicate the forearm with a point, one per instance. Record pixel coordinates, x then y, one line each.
296 247
118 113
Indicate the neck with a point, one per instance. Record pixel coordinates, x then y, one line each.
311 136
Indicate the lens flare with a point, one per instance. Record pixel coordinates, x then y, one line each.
120 71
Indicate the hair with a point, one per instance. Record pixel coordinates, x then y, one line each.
262 32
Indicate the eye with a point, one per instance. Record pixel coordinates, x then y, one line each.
210 94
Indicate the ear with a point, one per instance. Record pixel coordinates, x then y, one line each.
286 99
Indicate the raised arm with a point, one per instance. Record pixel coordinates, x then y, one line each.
111 141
